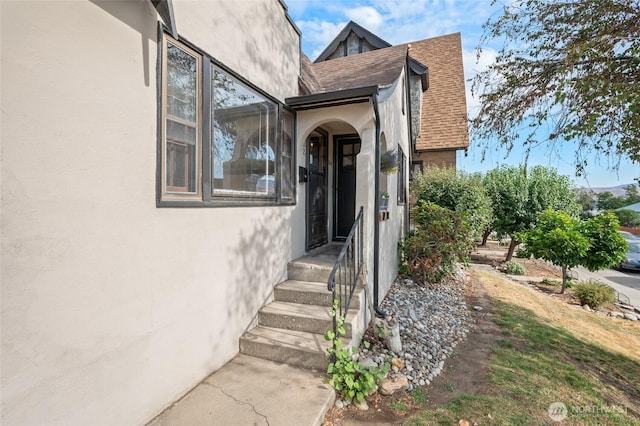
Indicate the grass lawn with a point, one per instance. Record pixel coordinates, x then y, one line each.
548 352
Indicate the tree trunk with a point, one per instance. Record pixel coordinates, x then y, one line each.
512 248
485 237
563 290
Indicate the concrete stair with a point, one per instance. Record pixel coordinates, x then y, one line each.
291 329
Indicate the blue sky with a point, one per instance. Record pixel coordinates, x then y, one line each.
400 21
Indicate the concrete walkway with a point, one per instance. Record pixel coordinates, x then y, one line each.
252 391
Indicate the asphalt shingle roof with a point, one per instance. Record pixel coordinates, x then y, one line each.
375 68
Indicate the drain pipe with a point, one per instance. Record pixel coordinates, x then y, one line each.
376 214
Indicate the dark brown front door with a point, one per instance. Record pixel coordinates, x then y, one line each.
316 191
346 149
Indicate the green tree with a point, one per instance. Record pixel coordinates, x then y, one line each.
606 246
556 238
632 196
570 68
568 242
586 199
458 191
608 201
518 197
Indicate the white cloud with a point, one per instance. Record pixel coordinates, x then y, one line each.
319 33
366 16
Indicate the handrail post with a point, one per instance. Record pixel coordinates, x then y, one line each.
347 270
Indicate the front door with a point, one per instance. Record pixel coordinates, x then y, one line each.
346 149
316 191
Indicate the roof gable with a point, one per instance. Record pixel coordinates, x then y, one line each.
361 32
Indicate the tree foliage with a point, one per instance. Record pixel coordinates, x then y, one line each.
518 197
570 68
568 242
457 191
628 217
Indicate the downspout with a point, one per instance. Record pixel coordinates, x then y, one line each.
408 166
376 208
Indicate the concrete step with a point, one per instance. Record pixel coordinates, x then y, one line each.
310 269
296 316
297 348
309 293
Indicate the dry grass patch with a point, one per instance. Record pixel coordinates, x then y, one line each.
617 335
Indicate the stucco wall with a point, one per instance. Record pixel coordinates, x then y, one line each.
112 308
394 126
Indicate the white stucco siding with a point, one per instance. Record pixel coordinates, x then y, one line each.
111 308
252 37
394 126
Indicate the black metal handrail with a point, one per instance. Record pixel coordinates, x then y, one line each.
346 271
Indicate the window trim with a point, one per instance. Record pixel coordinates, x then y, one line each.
402 176
166 192
204 197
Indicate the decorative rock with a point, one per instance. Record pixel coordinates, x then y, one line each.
362 406
616 314
339 404
631 317
390 386
392 335
397 362
431 321
478 308
368 363
586 308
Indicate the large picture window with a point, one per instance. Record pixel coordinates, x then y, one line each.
245 152
244 139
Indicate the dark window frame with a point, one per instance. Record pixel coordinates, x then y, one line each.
204 197
402 177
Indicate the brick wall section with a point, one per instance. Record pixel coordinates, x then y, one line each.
444 106
436 158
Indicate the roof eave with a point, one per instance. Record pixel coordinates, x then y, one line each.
335 98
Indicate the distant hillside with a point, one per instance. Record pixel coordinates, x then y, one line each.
617 191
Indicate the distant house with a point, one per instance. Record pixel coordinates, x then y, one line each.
635 207
166 165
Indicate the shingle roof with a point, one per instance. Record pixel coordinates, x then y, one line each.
444 106
375 68
308 78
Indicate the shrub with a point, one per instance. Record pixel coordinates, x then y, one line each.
558 283
441 239
627 217
514 268
594 293
457 191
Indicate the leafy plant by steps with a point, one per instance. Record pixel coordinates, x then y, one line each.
347 376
